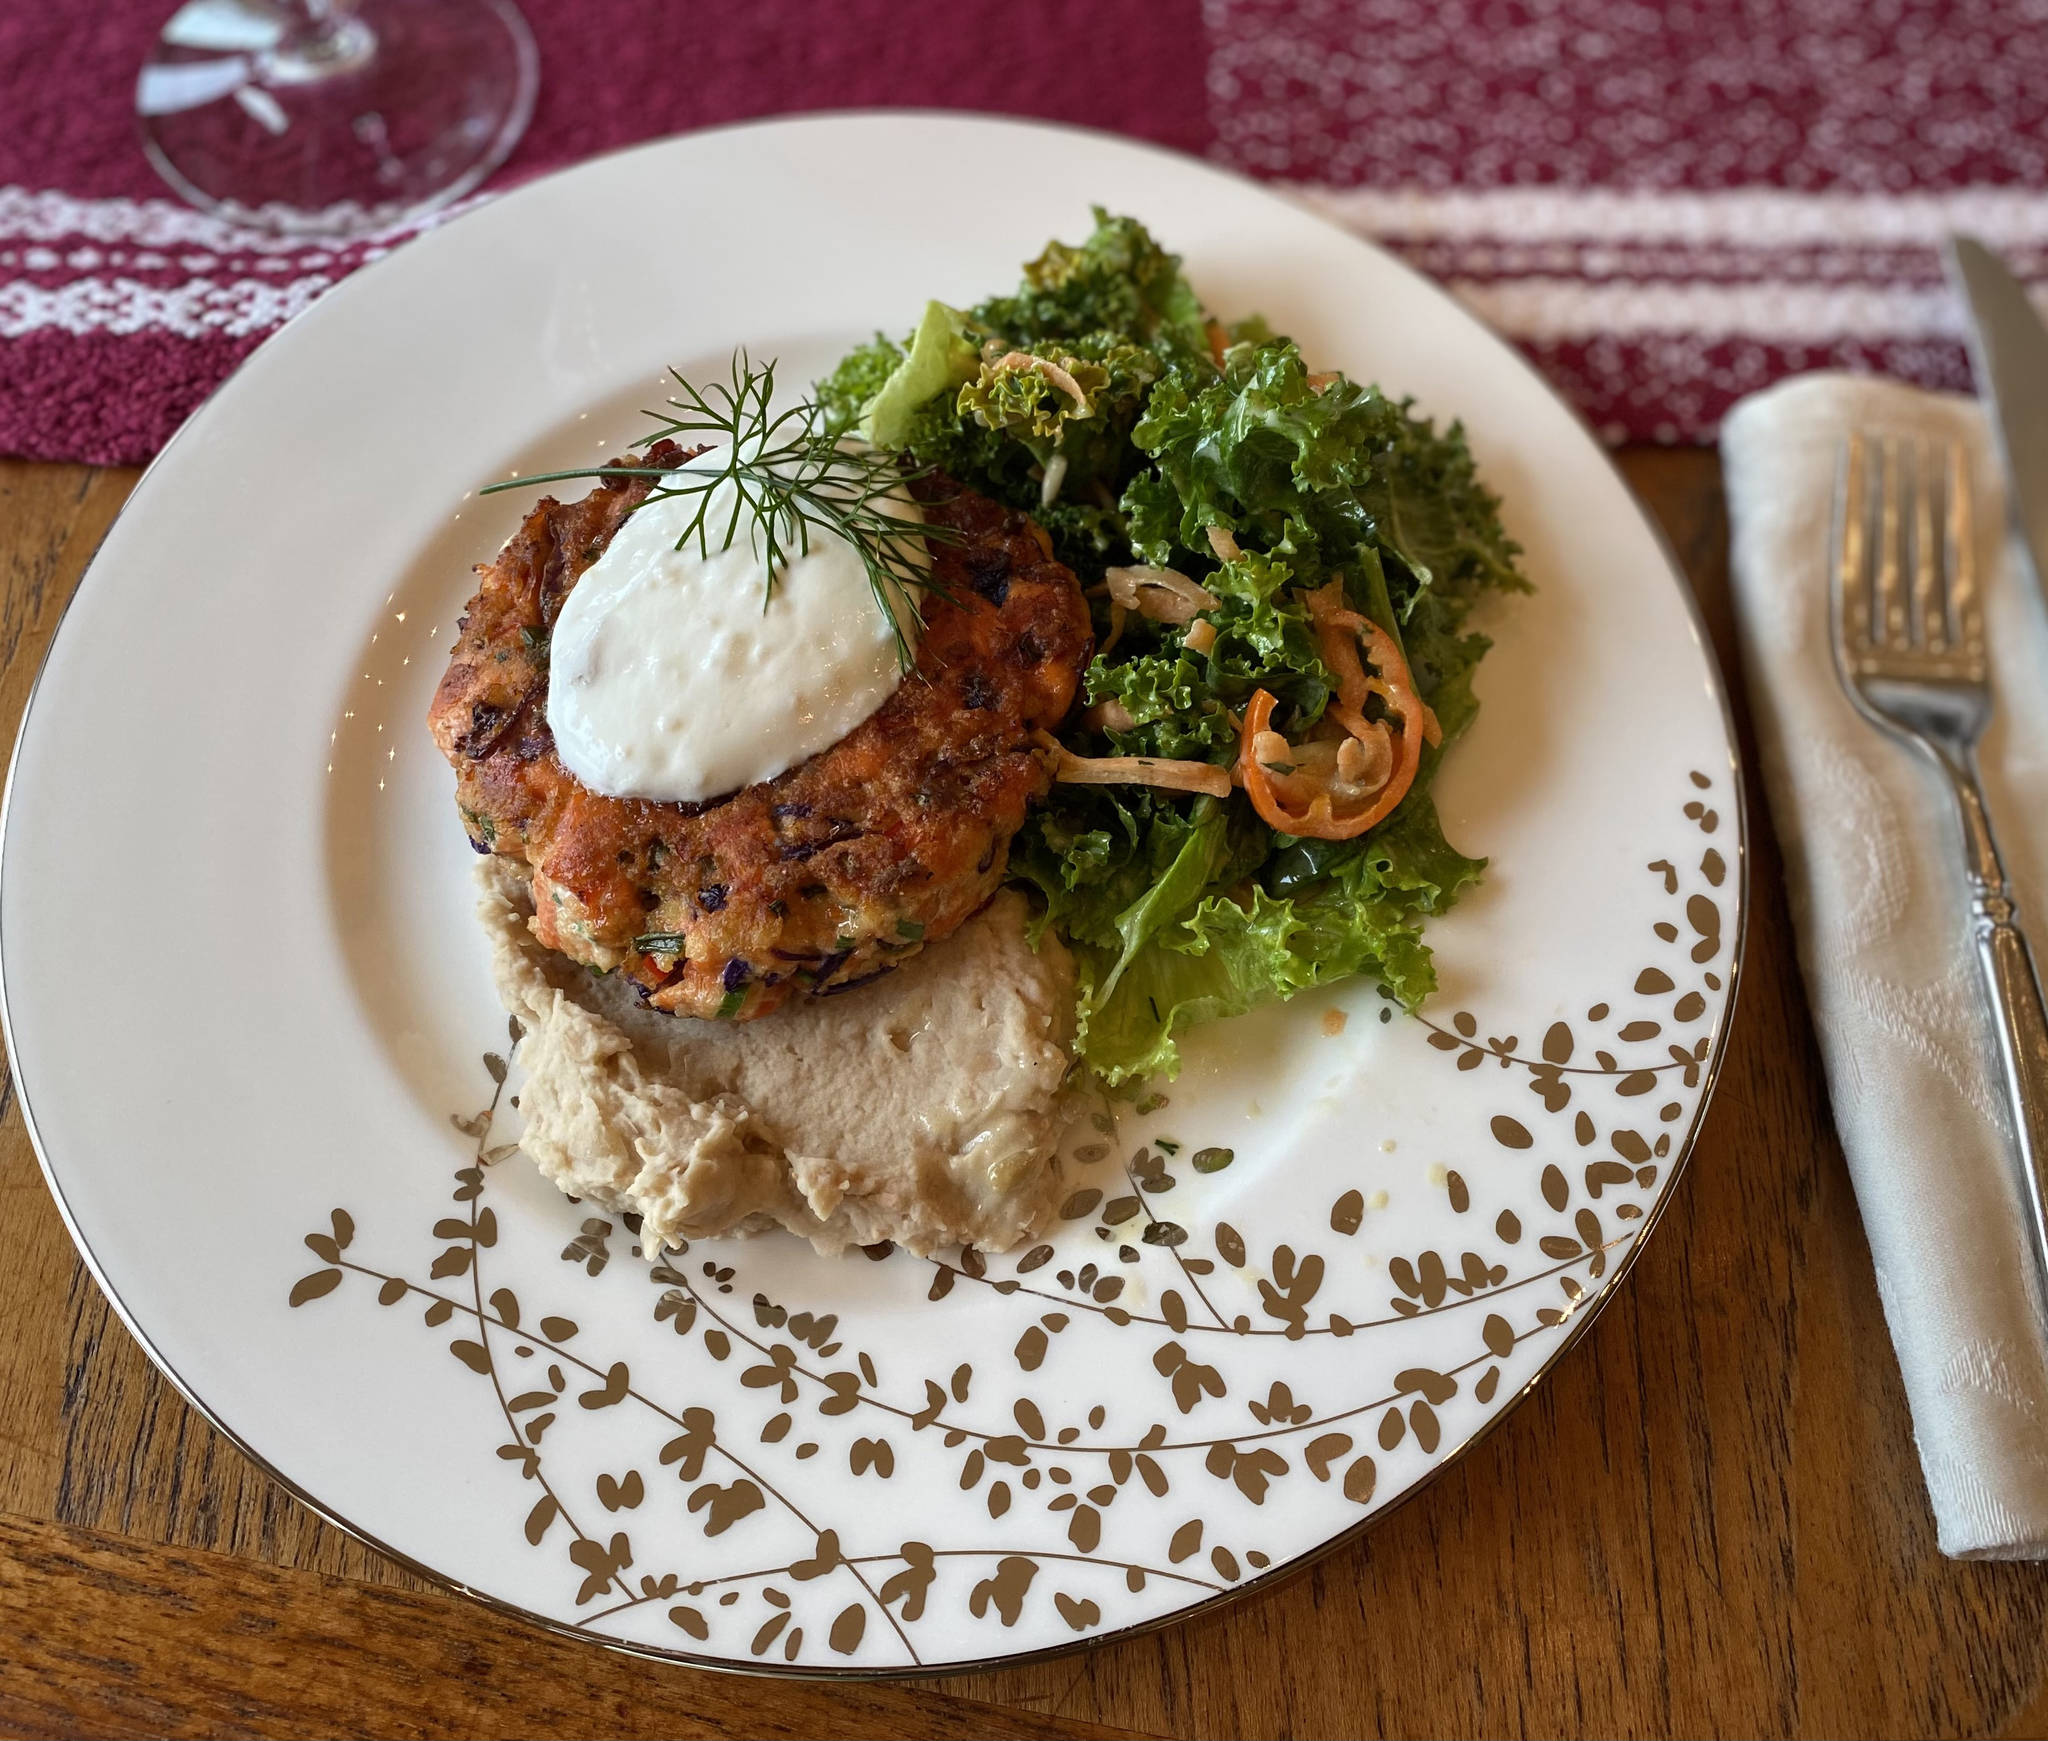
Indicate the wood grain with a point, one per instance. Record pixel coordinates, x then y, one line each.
112 1637
1708 1520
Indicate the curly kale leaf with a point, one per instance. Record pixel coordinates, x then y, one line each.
1034 396
1120 280
1181 702
844 394
1343 480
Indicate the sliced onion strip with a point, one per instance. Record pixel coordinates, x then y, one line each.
1052 372
1163 594
1176 776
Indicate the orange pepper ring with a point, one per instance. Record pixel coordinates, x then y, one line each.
1339 632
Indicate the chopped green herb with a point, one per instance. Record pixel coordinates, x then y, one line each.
792 476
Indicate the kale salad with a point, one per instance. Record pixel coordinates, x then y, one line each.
1280 563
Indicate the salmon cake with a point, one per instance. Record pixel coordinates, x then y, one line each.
822 878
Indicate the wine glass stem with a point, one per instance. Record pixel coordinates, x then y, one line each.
324 40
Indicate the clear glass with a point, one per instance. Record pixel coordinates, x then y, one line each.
335 118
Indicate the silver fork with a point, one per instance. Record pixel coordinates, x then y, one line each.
1909 643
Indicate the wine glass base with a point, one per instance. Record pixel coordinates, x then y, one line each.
335 119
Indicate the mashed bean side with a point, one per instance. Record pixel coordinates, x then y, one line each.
924 1109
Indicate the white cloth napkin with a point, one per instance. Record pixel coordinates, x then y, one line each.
1872 857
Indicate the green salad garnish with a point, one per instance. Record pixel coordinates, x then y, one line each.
1102 399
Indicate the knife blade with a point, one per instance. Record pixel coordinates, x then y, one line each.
2009 352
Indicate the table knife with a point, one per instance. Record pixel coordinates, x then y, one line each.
2009 351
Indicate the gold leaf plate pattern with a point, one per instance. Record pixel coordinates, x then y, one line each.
764 1509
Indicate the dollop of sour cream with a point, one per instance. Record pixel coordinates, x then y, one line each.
669 681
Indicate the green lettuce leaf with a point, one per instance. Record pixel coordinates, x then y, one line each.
1361 912
940 357
1194 867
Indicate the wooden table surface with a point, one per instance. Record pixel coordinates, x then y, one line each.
1709 1520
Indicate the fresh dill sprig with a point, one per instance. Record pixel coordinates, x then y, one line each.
787 476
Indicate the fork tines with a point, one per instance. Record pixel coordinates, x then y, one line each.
1906 593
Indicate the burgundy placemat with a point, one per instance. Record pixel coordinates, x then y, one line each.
1666 205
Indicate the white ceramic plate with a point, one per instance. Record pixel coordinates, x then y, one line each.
250 1019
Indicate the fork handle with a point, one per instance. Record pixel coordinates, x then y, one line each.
2015 990
2022 1026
